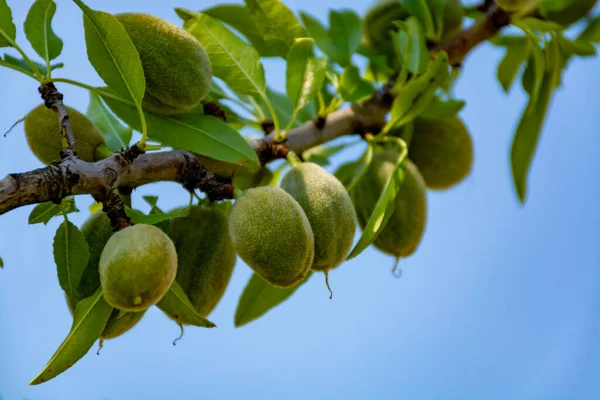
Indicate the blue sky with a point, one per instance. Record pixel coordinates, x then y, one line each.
501 301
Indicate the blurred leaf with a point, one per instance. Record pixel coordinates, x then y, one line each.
89 319
360 168
577 47
216 92
277 24
345 31
1 263
151 200
8 30
411 46
420 10
177 306
591 33
38 29
539 64
259 297
71 255
239 18
383 209
117 136
112 54
516 54
527 135
413 98
234 61
353 88
154 218
320 154
202 134
19 62
439 109
44 212
321 36
438 9
345 173
304 74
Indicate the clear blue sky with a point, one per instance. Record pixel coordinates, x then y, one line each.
501 301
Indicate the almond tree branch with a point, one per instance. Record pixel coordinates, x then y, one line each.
53 100
123 170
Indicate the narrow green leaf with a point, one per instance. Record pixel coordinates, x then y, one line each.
420 10
353 87
233 60
259 297
44 212
71 255
151 200
516 54
1 263
321 36
304 74
438 11
38 29
116 134
360 168
539 63
439 109
112 54
19 62
8 30
89 320
177 306
345 30
202 134
577 47
217 92
591 33
239 18
383 210
413 98
411 46
527 136
277 24
138 217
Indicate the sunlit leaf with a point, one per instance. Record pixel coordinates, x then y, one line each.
38 29
259 297
319 33
516 55
44 212
116 134
177 305
89 319
138 217
304 74
277 24
71 255
8 30
411 46
439 109
353 87
345 31
19 62
360 168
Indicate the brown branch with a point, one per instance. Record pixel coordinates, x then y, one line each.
101 179
53 99
495 19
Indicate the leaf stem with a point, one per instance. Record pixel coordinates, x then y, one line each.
293 159
21 70
35 70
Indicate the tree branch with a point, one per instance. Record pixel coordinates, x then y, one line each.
53 100
125 170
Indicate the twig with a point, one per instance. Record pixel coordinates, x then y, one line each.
53 99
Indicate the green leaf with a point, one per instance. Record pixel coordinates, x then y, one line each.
8 30
353 88
320 154
345 30
413 98
71 255
233 60
239 18
304 74
116 134
38 29
321 36
439 109
151 200
383 209
277 24
577 47
411 46
177 305
1 263
438 9
539 63
154 218
516 54
420 10
89 320
19 62
591 33
527 135
202 134
360 168
259 297
44 212
112 54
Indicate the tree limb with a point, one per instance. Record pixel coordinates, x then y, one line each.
125 170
